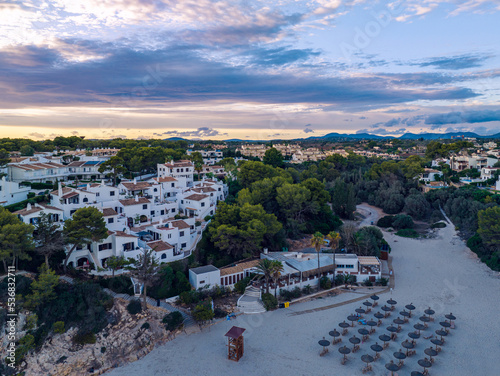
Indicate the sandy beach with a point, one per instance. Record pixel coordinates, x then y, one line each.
440 272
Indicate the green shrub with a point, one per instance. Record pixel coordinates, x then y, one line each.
367 282
120 284
85 338
31 321
145 326
31 194
325 283
438 225
189 297
269 301
307 289
402 221
173 320
242 284
26 344
408 233
134 307
383 281
219 313
58 327
386 221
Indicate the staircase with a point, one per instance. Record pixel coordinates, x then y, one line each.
250 302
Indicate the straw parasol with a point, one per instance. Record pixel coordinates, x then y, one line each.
426 363
429 311
431 352
352 318
437 342
334 333
407 345
384 338
367 304
391 366
419 327
344 351
413 335
378 315
392 302
360 310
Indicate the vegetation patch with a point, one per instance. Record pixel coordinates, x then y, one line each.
408 233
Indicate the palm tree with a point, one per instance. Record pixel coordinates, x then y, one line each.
317 241
277 268
334 238
265 269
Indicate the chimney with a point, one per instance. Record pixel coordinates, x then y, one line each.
88 186
28 207
59 190
135 180
136 198
102 181
266 251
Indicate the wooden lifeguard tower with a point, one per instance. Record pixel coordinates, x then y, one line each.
235 343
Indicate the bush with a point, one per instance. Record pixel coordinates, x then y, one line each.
120 284
408 233
307 289
242 284
58 327
219 313
325 283
84 338
189 297
438 225
145 326
383 281
386 221
31 194
402 221
367 282
269 301
173 320
134 307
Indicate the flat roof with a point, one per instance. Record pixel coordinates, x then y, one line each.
204 269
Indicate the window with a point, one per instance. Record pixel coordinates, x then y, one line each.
169 236
111 220
181 233
112 193
105 246
97 194
152 212
155 190
173 185
202 282
145 206
173 210
85 199
162 212
163 256
202 204
183 245
182 201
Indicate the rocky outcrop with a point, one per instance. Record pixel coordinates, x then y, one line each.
124 340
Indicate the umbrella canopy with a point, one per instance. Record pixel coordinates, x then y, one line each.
384 338
441 332
430 351
407 345
392 329
367 303
344 350
367 358
391 366
352 318
392 302
343 324
371 323
400 355
419 326
437 342
378 315
398 321
374 297
386 309
323 342
363 332
354 340
426 363
360 310
424 319
429 311
410 307
445 324
450 317
376 347
413 335
334 333
404 313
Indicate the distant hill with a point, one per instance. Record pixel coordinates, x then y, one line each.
175 139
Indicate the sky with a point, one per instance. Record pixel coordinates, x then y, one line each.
251 70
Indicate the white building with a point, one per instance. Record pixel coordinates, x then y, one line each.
210 157
85 170
31 213
12 192
488 172
430 174
37 172
202 276
182 171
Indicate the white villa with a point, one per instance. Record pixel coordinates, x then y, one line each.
12 192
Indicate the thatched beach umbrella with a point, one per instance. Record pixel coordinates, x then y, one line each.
429 311
377 348
335 334
437 342
384 338
354 340
414 335
410 307
367 359
344 350
426 363
391 366
407 345
419 327
352 318
431 352
441 332
367 303
360 310
392 302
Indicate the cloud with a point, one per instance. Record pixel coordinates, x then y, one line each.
362 117
454 62
458 117
279 56
307 125
308 130
202 132
37 135
182 73
409 121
